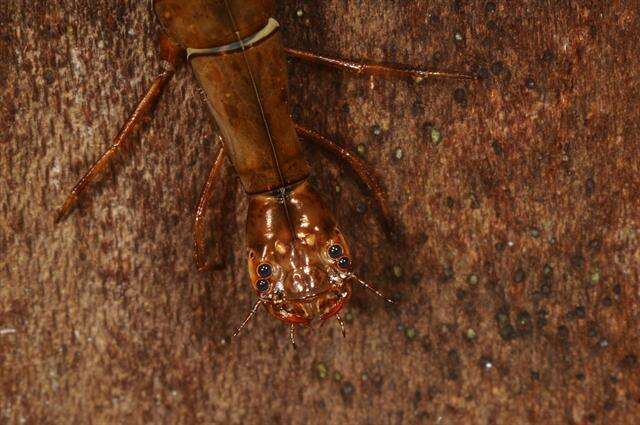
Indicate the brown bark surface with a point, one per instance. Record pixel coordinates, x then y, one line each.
517 269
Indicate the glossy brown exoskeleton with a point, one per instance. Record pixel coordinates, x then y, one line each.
299 261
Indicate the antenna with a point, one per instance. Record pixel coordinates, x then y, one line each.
372 289
251 313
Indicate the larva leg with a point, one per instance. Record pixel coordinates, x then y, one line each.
199 223
376 68
171 55
360 168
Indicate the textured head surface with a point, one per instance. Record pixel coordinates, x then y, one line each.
299 262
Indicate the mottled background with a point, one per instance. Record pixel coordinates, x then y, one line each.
516 270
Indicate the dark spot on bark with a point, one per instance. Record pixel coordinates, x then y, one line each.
577 261
545 289
475 204
490 7
436 58
524 323
609 405
460 96
425 343
579 312
518 276
433 391
595 245
563 332
453 365
535 375
589 186
529 83
296 112
548 56
447 274
507 332
347 390
629 361
49 76
482 72
449 202
497 149
485 363
541 318
417 397
417 109
497 68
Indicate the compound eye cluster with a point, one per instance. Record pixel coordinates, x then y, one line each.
264 271
336 253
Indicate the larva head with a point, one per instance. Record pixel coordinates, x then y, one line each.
299 262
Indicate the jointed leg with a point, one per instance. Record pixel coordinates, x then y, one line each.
374 68
360 168
199 224
171 55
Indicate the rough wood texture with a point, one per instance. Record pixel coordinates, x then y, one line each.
518 271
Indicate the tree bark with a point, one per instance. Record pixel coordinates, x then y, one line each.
516 267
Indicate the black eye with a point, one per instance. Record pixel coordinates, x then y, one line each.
344 262
335 251
264 270
262 285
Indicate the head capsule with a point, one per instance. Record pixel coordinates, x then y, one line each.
299 262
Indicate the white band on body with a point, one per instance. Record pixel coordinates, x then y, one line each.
265 32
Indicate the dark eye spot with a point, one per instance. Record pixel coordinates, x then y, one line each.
265 270
262 285
344 262
335 251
